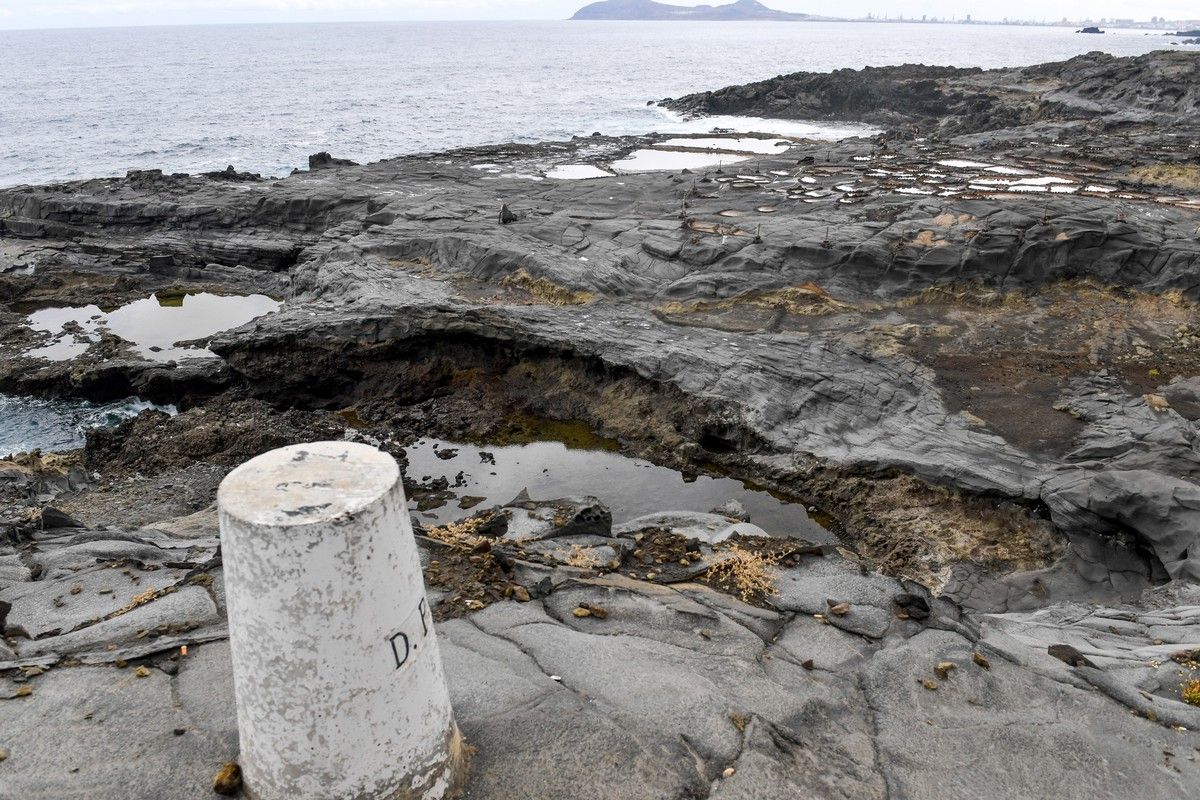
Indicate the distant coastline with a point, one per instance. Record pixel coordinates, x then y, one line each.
650 10
754 11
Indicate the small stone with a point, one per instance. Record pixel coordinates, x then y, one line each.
911 606
728 773
943 669
520 594
4 753
76 589
808 664
981 660
1069 655
228 780
582 611
24 691
142 671
930 685
839 609
599 612
179 731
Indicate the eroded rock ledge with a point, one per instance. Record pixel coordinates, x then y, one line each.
976 353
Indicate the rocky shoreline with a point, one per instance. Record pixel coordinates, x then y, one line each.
969 341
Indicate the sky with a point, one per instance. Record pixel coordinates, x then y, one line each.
86 13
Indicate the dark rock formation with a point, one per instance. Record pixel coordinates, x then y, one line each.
946 101
323 160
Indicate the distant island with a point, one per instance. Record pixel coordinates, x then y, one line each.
651 10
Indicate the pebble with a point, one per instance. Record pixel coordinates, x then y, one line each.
981 660
142 671
228 780
839 609
943 669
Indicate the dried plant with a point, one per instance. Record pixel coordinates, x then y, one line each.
1190 691
460 535
545 290
750 574
581 557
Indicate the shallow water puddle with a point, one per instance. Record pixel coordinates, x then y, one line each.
726 125
653 160
576 172
152 325
33 423
630 487
962 163
736 145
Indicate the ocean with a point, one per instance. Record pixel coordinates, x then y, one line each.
96 102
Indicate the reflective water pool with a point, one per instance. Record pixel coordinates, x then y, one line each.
630 487
153 325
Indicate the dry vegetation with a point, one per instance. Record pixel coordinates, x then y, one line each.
1190 691
805 300
546 291
746 573
1176 176
581 557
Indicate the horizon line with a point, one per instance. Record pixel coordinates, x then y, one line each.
815 20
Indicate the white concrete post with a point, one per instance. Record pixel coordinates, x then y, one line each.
339 684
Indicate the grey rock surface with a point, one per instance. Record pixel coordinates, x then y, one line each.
971 353
681 690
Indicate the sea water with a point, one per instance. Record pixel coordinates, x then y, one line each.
88 103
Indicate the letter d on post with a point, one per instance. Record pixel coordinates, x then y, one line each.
339 683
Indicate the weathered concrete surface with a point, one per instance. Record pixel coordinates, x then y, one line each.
339 680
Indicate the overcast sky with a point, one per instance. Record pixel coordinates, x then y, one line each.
79 13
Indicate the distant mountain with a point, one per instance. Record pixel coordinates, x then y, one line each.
651 10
